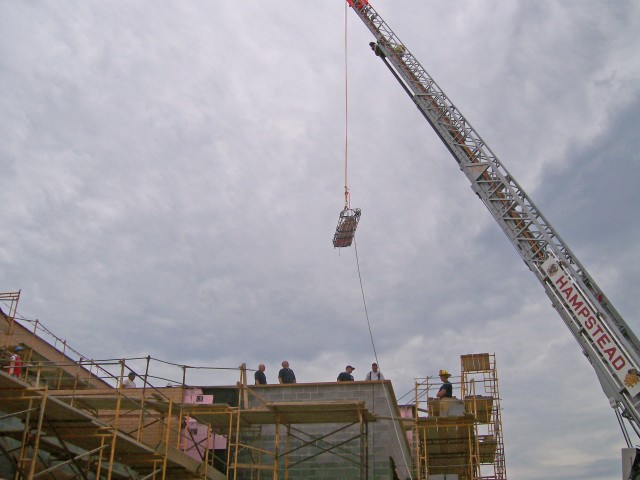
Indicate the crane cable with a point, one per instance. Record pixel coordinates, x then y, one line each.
355 243
346 115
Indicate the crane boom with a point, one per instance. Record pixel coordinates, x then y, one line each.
605 338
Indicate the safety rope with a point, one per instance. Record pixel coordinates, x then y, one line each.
375 354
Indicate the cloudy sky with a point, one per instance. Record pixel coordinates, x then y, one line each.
172 173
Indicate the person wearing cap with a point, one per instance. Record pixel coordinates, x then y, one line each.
346 375
446 390
15 362
374 374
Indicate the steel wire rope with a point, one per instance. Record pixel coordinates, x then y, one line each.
347 202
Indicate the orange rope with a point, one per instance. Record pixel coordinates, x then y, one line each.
346 114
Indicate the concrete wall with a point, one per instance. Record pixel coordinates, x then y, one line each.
386 439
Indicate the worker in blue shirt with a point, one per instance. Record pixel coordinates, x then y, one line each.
286 375
346 375
259 376
446 390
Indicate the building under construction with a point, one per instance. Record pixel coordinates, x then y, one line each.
64 416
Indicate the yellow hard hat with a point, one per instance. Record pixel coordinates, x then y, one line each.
444 373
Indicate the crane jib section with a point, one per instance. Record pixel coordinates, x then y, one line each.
611 346
603 341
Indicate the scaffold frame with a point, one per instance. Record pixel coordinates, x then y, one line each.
461 436
75 416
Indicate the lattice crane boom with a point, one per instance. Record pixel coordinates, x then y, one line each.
610 345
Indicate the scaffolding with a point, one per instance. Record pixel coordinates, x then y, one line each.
103 433
112 433
264 440
482 397
63 415
460 436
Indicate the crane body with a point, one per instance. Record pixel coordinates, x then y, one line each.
605 338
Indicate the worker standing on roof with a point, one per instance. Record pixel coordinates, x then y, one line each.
374 374
260 377
446 390
286 375
15 362
346 375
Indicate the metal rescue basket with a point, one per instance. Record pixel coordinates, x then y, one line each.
346 229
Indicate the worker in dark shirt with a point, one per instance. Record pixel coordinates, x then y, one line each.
346 375
446 390
286 375
260 377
